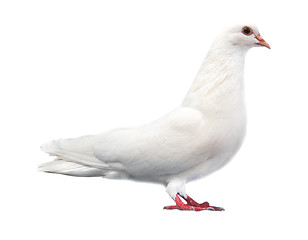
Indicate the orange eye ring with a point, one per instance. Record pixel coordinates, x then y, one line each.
247 31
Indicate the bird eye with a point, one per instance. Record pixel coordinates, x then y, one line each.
247 31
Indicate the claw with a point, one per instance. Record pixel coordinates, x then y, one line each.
192 205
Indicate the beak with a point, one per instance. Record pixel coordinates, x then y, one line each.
262 41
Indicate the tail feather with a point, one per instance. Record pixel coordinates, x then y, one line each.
75 158
78 150
61 166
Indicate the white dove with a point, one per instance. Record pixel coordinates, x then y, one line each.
192 141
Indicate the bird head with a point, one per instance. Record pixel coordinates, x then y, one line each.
247 36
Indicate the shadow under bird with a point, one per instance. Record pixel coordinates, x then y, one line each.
192 141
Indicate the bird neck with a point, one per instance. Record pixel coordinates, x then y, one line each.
219 80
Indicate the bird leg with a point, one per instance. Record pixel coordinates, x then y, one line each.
181 206
191 205
192 202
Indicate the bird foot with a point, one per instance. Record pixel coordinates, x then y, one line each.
192 205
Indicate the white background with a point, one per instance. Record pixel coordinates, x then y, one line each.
71 68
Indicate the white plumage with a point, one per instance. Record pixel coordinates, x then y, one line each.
192 141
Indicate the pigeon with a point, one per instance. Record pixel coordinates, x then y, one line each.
195 139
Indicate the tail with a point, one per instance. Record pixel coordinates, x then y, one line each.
65 167
74 157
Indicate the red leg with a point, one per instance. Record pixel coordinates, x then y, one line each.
192 205
181 206
192 202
